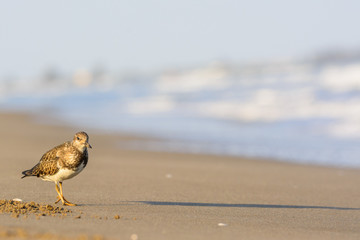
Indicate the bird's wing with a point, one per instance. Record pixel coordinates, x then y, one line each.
45 168
48 164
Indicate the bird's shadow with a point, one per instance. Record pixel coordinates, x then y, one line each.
223 205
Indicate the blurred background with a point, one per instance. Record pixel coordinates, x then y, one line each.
275 79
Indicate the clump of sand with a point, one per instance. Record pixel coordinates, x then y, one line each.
17 208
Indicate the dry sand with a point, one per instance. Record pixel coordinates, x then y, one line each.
125 194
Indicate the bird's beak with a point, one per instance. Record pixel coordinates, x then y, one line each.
88 145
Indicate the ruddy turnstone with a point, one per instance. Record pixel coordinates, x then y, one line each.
61 163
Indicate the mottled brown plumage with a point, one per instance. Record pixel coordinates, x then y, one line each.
62 162
62 156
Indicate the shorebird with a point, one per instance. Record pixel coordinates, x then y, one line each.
61 163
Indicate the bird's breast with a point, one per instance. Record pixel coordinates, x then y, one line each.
73 159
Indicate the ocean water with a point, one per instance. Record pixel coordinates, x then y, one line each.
300 111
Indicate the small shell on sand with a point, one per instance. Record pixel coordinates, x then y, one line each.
222 224
17 200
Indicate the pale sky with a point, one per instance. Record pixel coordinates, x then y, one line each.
155 34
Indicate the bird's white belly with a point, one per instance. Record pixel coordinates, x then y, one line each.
63 174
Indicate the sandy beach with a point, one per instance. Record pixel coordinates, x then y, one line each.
126 194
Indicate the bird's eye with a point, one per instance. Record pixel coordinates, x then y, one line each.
77 138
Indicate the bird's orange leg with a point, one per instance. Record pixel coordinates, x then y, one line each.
59 194
62 198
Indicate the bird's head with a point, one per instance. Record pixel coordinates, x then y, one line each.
81 141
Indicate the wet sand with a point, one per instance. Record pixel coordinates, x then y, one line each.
125 194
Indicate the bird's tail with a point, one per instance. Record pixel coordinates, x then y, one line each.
27 173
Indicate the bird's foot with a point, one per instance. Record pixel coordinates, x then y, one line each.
69 204
64 202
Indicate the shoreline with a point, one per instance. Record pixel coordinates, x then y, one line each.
166 195
127 141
